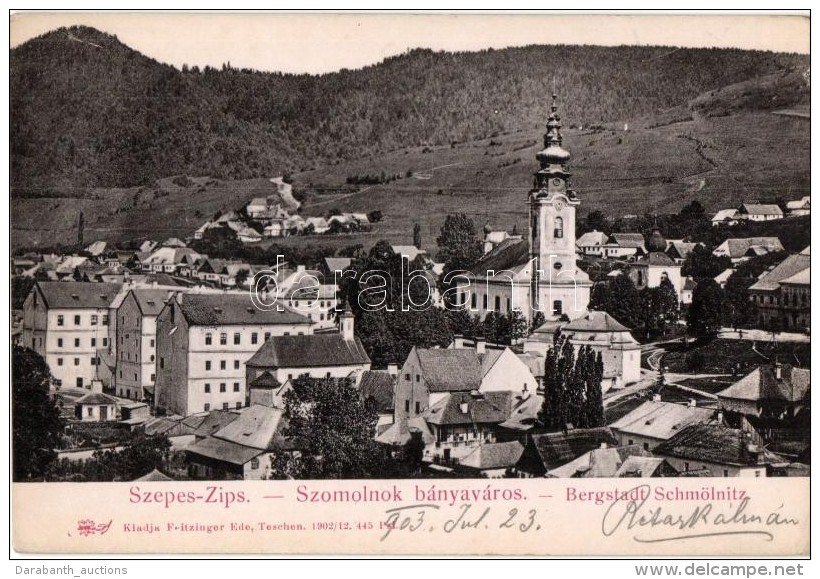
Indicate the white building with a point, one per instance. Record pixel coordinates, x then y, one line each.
800 207
203 342
759 212
66 323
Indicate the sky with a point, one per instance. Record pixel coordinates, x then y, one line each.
323 42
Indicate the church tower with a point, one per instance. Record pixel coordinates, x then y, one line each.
558 287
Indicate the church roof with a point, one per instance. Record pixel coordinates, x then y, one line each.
508 255
595 321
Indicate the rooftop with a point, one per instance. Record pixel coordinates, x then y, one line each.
494 455
316 350
786 269
450 370
763 384
715 444
598 463
78 294
661 420
233 309
467 408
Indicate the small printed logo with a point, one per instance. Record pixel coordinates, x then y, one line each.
88 527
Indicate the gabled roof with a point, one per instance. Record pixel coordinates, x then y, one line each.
233 309
715 444
154 476
450 370
481 408
595 321
150 301
635 240
256 427
524 411
591 238
760 209
265 380
78 294
411 251
725 215
493 455
260 201
598 463
802 203
545 452
399 433
689 284
642 466
213 422
786 269
315 350
224 450
96 398
661 420
800 278
508 255
657 258
335 264
762 385
380 386
681 248
737 247
723 276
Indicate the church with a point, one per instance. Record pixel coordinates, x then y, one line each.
538 273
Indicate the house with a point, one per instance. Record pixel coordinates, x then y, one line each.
332 267
169 259
547 451
652 269
620 352
378 388
318 224
605 462
716 451
307 292
782 296
742 249
491 459
136 333
200 232
411 252
523 416
680 250
592 243
240 450
655 422
276 228
622 245
66 323
493 239
800 207
338 355
723 277
688 289
96 407
154 476
726 217
248 235
429 374
777 391
174 242
97 248
759 212
461 421
257 207
636 466
203 342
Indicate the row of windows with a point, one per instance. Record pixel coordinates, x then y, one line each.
94 361
78 320
557 305
77 342
127 356
225 406
223 365
237 338
223 387
136 377
407 407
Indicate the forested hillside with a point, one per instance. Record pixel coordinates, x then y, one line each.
88 111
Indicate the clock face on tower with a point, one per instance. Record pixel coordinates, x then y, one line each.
556 182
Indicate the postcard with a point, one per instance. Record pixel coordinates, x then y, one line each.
410 284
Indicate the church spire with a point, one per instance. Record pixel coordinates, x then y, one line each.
553 158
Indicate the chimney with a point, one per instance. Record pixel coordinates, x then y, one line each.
604 445
393 369
778 371
480 346
300 268
656 398
692 403
458 341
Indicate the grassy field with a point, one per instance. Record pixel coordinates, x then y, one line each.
658 165
721 356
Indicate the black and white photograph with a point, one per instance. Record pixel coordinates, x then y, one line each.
314 247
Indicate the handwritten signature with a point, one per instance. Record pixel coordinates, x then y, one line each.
467 517
704 520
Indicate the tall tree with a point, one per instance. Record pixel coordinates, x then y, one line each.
36 422
594 395
701 263
332 428
619 298
706 310
80 229
459 245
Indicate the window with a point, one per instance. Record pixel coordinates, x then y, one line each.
105 321
151 358
254 338
237 338
207 365
207 407
559 228
76 361
757 473
254 463
59 342
89 411
207 388
135 377
686 466
105 342
60 320
509 308
407 406
646 446
236 386
557 307
224 406
223 364
290 376
76 342
94 319
321 317
93 342
77 320
161 362
238 405
640 278
223 339
497 303
93 360
267 336
484 302
418 407
473 301
59 361
120 373
209 339
236 364
418 377
222 387
151 343
630 442
327 375
725 472
153 377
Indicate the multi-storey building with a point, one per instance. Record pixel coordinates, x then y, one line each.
203 342
66 323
